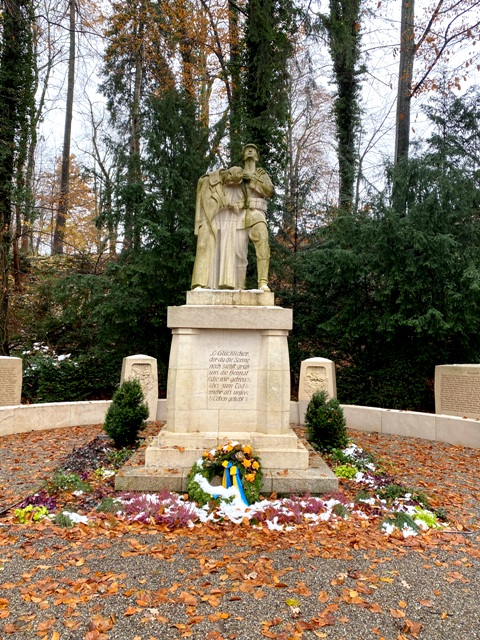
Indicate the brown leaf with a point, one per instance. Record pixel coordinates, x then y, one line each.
413 628
130 611
188 599
46 625
397 613
426 603
101 623
10 628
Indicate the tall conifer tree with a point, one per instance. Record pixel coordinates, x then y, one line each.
16 102
268 46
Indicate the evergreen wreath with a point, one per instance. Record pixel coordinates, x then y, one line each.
219 462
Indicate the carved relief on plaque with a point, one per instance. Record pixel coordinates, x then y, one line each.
143 373
315 380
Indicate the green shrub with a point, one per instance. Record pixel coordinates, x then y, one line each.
345 471
49 377
325 423
126 415
63 480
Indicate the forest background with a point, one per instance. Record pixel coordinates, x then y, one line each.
374 227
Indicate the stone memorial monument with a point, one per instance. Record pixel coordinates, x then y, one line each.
316 374
229 372
10 381
144 369
457 390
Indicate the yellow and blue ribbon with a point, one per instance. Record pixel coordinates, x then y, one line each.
232 477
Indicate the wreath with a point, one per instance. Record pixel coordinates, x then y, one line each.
237 465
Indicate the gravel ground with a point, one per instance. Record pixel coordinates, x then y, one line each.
143 582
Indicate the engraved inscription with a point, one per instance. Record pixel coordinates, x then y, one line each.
315 380
228 378
9 382
143 373
460 394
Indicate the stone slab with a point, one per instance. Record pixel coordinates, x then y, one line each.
237 297
363 418
7 421
229 317
161 409
457 431
457 390
144 369
316 481
88 412
10 381
177 450
146 480
404 423
40 416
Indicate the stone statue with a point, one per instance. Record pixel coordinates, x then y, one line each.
258 187
230 210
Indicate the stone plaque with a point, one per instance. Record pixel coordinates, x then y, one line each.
144 369
10 381
315 380
229 378
457 390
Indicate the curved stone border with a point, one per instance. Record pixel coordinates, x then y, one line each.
53 415
429 426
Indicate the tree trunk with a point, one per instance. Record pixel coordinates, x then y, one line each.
132 235
404 95
235 91
404 100
59 233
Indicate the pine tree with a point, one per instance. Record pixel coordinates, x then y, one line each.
16 102
342 26
268 46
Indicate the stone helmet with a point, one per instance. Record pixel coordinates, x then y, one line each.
248 147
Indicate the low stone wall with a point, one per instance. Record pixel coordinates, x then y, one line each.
429 426
35 417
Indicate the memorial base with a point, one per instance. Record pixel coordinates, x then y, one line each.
228 380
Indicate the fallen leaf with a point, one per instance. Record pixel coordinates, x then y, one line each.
323 596
413 628
188 599
397 613
426 603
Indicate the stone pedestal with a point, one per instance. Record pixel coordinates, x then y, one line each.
229 379
316 374
144 369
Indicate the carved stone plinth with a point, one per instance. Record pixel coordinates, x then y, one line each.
228 379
